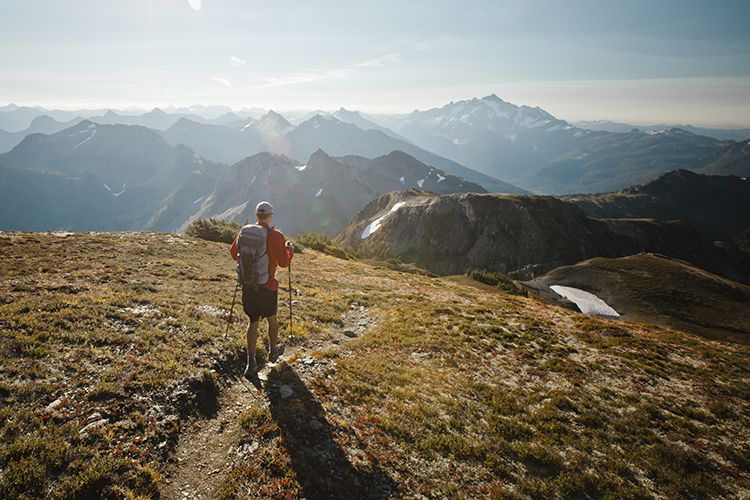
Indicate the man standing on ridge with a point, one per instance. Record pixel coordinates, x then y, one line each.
260 298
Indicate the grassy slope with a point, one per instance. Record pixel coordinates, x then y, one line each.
456 391
658 290
116 330
693 300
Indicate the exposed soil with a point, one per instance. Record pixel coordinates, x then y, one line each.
207 448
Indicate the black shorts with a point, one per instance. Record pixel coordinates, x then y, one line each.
260 303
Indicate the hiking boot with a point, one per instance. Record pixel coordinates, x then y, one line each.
251 370
275 353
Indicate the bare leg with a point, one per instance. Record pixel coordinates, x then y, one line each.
252 338
273 331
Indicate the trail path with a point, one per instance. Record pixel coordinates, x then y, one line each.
208 446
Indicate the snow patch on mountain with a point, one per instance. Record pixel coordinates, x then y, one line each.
525 121
375 225
231 213
93 132
110 189
587 302
274 133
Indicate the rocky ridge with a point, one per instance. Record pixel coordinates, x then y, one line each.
518 235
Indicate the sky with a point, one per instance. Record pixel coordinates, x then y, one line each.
636 61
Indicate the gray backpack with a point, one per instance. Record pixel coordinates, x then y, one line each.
252 263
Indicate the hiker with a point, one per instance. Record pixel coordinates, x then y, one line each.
259 297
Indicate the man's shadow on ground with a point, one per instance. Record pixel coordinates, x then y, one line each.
322 468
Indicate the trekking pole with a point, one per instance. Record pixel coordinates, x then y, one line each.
231 310
290 298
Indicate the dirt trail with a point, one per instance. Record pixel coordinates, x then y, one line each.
208 446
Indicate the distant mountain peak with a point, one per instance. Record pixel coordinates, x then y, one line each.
156 112
493 97
319 155
273 123
460 121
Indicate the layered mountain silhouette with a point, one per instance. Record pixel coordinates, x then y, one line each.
40 125
323 194
127 177
612 162
93 177
275 134
221 143
531 148
722 134
501 146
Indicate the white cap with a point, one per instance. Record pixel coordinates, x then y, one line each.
264 208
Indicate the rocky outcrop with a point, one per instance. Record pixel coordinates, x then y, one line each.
523 236
450 234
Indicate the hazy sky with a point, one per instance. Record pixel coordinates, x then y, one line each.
645 62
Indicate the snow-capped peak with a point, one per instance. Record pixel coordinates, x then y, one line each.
459 121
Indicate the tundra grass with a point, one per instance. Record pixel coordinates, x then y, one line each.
694 300
106 342
463 393
109 341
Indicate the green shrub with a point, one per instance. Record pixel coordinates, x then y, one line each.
322 243
496 278
214 230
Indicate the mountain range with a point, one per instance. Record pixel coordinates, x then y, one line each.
93 177
722 134
482 140
323 194
530 148
127 177
275 134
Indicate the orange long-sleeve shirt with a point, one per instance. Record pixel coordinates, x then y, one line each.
278 254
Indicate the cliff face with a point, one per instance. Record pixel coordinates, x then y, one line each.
450 234
520 235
